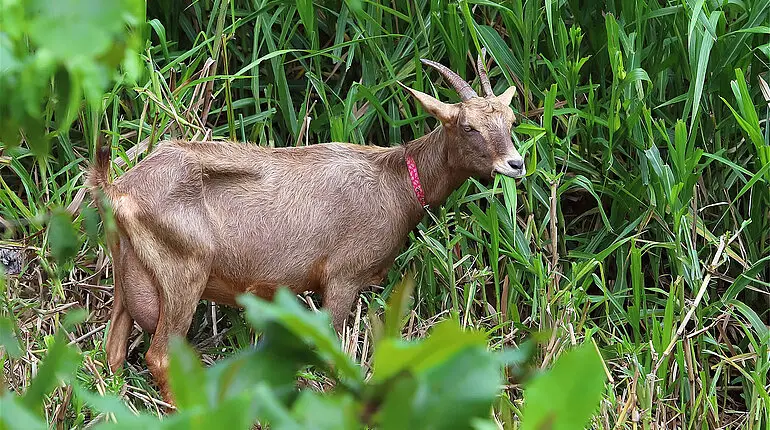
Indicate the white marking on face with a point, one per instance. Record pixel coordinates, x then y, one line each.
512 163
511 166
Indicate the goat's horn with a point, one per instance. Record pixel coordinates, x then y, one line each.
463 89
485 85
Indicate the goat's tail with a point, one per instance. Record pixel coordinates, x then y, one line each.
98 180
98 183
99 172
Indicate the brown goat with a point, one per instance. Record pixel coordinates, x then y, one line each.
212 220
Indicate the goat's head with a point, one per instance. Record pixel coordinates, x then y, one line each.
480 126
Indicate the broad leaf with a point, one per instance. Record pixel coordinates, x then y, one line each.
449 395
447 339
313 329
62 236
185 375
331 411
567 396
60 364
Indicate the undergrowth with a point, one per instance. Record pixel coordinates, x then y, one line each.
642 227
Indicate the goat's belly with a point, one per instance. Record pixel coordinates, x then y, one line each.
225 291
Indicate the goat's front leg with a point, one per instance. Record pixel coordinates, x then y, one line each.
338 300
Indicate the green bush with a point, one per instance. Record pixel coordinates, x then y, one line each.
446 381
53 55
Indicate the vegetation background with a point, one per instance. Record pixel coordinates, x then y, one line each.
642 228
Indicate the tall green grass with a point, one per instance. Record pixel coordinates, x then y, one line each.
643 226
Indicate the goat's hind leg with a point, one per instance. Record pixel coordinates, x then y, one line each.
120 321
181 287
178 257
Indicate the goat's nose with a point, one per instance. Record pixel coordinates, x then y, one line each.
516 163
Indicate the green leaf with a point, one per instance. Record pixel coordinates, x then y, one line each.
90 222
314 329
185 375
565 397
69 94
451 394
398 306
447 338
62 236
308 16
74 317
270 363
331 411
236 412
16 416
396 409
756 322
706 43
581 181
760 29
500 52
69 29
743 281
112 405
517 356
550 100
60 364
8 337
613 46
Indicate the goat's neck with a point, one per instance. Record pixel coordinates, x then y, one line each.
438 177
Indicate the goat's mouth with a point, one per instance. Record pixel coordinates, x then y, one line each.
505 169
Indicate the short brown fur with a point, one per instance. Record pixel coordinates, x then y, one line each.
212 220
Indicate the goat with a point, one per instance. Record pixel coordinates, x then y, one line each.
213 220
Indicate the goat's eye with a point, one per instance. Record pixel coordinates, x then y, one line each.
467 128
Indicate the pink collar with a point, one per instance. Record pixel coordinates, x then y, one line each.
415 177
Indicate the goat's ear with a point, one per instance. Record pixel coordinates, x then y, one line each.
506 97
444 112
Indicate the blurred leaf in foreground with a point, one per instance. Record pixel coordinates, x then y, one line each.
16 416
56 53
443 382
59 365
62 236
8 341
565 397
312 328
8 337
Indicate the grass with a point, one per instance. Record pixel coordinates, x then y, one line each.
643 226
